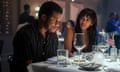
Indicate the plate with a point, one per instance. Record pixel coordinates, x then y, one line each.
90 66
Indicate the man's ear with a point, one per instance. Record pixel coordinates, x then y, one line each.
43 17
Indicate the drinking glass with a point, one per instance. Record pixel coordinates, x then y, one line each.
103 44
62 57
76 58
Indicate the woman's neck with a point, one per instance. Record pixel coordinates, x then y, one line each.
85 38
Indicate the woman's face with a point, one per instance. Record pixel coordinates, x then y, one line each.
85 23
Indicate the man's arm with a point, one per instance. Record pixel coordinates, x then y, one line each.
22 47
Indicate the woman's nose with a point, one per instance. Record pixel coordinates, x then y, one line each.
84 21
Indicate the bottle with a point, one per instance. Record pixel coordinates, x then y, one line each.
113 53
113 50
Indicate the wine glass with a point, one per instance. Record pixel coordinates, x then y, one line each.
78 41
79 45
103 44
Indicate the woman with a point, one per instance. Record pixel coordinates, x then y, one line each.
86 23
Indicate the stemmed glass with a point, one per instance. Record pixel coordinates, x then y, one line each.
78 41
79 45
103 44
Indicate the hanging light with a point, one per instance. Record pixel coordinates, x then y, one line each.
73 0
36 11
37 8
36 15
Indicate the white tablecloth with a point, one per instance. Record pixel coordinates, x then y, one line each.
48 67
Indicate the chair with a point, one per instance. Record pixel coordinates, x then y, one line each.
20 26
10 61
1 47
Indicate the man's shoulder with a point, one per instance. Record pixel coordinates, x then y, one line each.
27 28
23 14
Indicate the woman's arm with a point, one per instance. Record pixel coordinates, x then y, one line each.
68 40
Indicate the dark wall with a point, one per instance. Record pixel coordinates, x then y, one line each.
113 5
14 21
7 47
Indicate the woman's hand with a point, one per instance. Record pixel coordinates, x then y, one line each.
71 54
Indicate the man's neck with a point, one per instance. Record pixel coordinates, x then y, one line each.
43 31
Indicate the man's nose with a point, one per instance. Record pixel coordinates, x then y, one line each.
57 24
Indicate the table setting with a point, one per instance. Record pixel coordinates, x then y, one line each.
96 61
97 64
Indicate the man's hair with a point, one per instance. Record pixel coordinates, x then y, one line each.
48 8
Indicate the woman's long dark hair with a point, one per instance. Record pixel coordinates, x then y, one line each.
91 30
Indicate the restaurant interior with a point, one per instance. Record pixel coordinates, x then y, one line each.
11 9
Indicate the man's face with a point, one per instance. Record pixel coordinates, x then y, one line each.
53 21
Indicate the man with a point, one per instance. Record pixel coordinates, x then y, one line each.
25 17
37 42
111 24
113 27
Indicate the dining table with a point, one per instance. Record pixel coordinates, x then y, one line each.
51 66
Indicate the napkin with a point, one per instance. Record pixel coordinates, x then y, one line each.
52 60
112 66
29 67
112 70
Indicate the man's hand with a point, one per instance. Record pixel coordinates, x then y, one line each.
53 27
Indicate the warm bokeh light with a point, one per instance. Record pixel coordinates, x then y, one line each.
37 8
36 15
73 0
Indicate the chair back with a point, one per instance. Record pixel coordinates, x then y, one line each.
1 46
10 61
